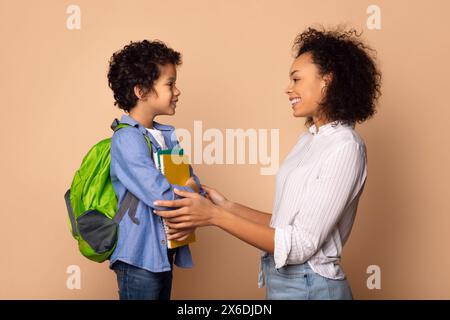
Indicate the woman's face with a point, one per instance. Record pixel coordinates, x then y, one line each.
306 87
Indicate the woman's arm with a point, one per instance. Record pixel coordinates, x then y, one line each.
197 211
254 230
247 213
238 209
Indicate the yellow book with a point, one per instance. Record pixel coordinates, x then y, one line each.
175 166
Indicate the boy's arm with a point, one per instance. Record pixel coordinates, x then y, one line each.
191 170
131 161
197 181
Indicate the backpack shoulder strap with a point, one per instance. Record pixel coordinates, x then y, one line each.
116 125
130 201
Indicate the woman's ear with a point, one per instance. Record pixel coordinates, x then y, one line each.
326 80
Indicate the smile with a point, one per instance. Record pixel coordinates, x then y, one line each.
294 101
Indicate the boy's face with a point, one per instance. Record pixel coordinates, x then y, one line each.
164 101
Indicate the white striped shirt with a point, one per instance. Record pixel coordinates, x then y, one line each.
317 192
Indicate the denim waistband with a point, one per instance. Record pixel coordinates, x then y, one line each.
269 260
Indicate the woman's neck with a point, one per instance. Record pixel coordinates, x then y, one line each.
319 123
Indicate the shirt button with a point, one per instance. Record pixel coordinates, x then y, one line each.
163 241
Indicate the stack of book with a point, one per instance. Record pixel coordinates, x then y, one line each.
175 167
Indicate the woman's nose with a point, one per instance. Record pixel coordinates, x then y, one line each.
288 89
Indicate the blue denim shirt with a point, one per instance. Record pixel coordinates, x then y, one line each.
143 245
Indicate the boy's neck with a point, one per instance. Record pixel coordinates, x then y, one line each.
142 117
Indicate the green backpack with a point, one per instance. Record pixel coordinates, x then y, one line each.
92 203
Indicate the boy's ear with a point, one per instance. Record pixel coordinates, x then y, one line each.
140 93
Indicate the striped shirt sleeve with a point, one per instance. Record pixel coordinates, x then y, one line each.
338 182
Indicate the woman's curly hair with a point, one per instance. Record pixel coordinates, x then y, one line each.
354 89
138 63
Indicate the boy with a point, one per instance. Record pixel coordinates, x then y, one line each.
142 77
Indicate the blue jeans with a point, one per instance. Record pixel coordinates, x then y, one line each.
300 282
139 284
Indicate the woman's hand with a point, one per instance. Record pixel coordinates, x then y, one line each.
193 211
215 196
192 184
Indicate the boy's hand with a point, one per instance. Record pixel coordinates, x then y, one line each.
192 184
179 235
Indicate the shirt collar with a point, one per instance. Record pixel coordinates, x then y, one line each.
329 128
129 120
162 127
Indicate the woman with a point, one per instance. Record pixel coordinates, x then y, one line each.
334 83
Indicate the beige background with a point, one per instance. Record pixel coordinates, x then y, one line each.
55 104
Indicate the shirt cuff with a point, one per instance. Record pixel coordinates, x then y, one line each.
282 245
184 188
199 185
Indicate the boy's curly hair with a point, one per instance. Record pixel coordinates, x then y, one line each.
354 89
138 63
